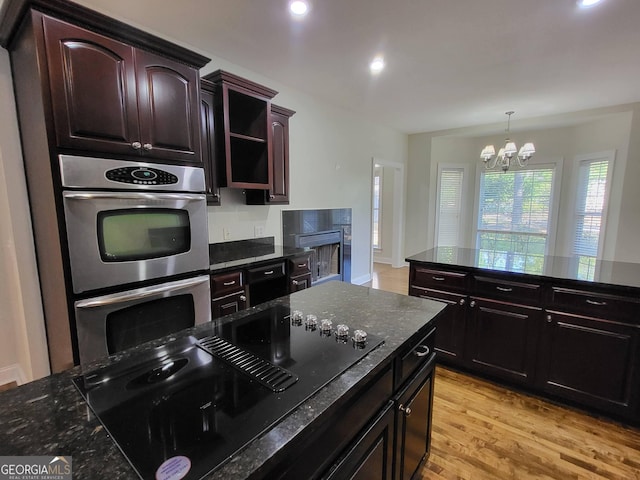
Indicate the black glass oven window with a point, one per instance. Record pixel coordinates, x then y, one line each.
143 233
147 321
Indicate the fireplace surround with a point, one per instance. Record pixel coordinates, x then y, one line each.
327 233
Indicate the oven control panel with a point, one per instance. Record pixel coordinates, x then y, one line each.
141 176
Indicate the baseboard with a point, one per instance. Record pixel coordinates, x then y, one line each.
12 373
385 260
362 279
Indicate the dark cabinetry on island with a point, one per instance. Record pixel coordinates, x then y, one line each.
570 339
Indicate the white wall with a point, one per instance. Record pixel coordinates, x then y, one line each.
602 130
23 347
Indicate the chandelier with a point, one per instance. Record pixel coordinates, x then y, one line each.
507 153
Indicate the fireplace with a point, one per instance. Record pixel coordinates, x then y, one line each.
327 233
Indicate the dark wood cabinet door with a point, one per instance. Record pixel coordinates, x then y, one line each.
451 326
372 456
413 426
502 339
207 125
169 108
593 361
93 89
299 283
230 304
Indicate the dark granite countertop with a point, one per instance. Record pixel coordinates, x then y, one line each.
545 266
245 253
49 417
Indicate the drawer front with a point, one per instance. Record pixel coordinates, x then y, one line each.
299 265
595 304
267 272
428 278
226 283
415 357
528 293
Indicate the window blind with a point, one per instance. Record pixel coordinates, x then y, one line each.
449 207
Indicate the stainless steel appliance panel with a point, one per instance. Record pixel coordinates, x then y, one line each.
80 172
92 314
90 271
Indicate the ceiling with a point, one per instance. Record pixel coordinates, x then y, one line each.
450 63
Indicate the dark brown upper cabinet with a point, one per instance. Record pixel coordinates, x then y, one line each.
207 122
279 191
243 133
112 98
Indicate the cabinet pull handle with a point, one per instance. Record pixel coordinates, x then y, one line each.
438 279
136 145
295 282
243 298
472 304
272 196
549 319
595 302
425 351
270 272
228 284
300 265
148 147
462 301
406 410
504 289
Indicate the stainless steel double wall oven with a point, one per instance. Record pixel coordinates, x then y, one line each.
138 251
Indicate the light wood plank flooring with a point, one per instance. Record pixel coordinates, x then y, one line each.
482 431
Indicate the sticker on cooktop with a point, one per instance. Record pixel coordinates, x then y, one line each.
174 468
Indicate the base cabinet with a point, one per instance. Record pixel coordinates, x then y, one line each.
591 361
413 423
563 339
372 455
501 339
229 304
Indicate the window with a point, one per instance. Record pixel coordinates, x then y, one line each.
449 210
594 176
377 207
514 218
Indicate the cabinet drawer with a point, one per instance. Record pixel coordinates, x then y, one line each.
266 272
528 293
596 304
424 277
415 356
299 265
226 283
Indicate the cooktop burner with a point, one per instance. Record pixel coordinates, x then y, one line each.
199 400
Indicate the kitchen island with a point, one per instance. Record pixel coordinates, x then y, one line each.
565 328
50 417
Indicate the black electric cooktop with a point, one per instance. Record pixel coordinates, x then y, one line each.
184 412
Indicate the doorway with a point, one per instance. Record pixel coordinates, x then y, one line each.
387 212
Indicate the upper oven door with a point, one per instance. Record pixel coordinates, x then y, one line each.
117 238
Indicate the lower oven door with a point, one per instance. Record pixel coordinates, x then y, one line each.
118 238
116 322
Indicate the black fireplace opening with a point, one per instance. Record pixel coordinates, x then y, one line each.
326 254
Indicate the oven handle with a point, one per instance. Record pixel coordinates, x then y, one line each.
141 293
132 196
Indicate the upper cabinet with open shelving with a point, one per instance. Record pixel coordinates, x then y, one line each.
243 137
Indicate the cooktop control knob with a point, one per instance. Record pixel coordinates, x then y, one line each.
359 338
325 326
296 318
311 323
342 332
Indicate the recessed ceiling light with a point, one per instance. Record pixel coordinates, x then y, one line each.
588 3
299 8
377 65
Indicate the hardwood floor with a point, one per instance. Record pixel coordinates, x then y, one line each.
482 431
